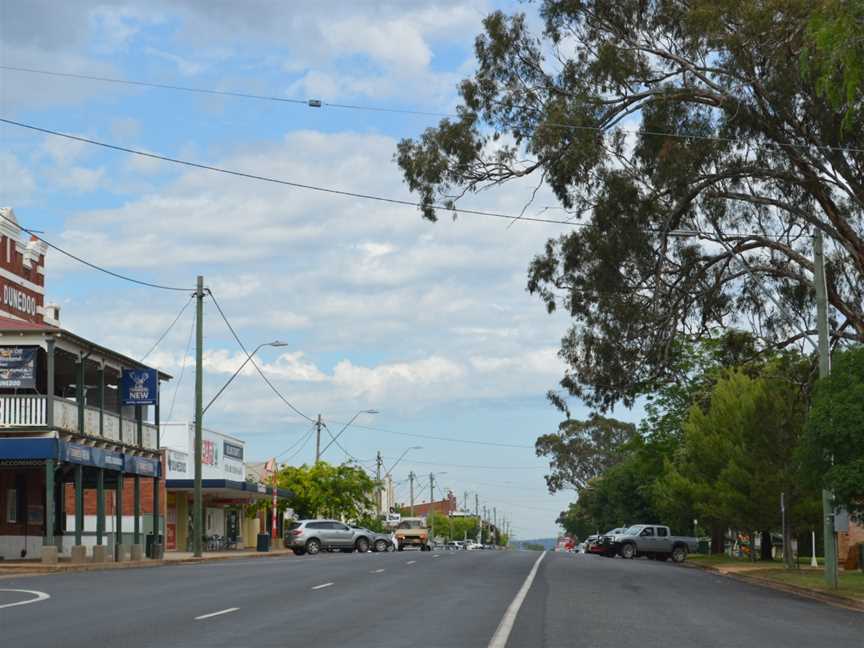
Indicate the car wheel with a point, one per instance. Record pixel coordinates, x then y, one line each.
362 545
628 551
679 554
313 547
380 545
298 551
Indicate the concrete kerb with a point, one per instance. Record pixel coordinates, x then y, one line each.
14 570
796 590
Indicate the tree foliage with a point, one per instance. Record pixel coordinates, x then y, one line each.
583 450
834 442
322 489
733 139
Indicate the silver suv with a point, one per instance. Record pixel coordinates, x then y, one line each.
311 536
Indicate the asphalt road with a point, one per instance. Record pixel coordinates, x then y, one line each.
414 599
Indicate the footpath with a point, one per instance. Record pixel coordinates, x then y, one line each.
13 568
805 581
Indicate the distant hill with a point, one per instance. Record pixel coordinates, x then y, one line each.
548 543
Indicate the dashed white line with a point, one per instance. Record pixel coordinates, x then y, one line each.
502 633
376 571
322 586
213 614
435 555
410 562
38 596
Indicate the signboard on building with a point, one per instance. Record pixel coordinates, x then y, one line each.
232 450
18 367
209 453
139 387
178 462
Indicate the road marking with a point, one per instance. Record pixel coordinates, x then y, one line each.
410 562
213 614
502 633
38 596
376 571
434 555
322 586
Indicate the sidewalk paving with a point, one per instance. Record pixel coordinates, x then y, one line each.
11 569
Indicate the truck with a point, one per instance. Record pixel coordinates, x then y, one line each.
654 541
412 532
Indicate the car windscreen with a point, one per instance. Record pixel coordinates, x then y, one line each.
410 524
634 530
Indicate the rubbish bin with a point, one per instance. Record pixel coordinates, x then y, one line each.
263 542
151 541
703 547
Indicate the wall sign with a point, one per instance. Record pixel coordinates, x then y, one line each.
18 367
233 451
139 387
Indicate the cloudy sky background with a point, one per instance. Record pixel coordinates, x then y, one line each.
429 323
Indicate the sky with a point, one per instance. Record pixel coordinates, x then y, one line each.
428 323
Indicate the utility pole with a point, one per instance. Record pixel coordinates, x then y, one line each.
465 504
483 520
198 513
432 506
378 462
477 515
495 523
831 576
318 439
411 477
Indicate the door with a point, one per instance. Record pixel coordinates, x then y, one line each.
342 535
647 540
232 524
664 543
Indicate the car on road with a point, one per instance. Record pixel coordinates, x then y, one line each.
379 542
412 532
605 545
313 536
654 541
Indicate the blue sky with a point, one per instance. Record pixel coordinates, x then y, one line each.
429 323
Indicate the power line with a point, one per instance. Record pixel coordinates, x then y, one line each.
287 183
451 465
304 441
318 103
89 264
182 368
252 360
341 447
168 330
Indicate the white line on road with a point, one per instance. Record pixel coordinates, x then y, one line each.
434 555
212 614
39 596
322 586
502 633
410 562
376 571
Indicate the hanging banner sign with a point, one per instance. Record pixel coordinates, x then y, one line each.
18 367
139 387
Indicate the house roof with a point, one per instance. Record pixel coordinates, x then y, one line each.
11 325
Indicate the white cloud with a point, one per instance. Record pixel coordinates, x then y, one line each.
17 183
80 179
402 379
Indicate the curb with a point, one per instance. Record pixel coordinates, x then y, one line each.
795 590
14 571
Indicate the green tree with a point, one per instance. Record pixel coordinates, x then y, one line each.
344 491
834 444
731 140
583 450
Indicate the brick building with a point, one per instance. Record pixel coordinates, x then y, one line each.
445 507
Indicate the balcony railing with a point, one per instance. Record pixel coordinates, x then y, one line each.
29 411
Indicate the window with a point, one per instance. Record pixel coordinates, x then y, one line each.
662 532
11 505
338 527
647 531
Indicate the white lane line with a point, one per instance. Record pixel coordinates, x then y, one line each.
376 571
38 596
502 633
435 555
213 614
410 562
322 586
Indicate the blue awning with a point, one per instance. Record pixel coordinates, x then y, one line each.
40 448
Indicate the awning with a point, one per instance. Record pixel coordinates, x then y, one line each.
228 488
42 448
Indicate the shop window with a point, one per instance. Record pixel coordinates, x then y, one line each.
11 506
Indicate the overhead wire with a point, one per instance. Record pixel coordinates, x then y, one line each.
440 438
90 264
287 183
182 369
168 330
319 103
252 360
302 440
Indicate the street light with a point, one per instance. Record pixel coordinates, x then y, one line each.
198 502
333 440
402 456
274 343
388 472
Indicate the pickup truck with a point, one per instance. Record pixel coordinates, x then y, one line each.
654 541
412 532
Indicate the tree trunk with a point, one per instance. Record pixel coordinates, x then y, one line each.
718 539
766 546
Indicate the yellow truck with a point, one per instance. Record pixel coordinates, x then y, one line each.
412 532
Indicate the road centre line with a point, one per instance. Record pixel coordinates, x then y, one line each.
502 632
38 596
213 614
322 586
376 571
410 562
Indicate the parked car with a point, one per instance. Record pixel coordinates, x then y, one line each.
452 546
605 545
590 541
311 536
654 541
412 532
379 542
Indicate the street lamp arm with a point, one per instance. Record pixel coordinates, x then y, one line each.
249 356
345 427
